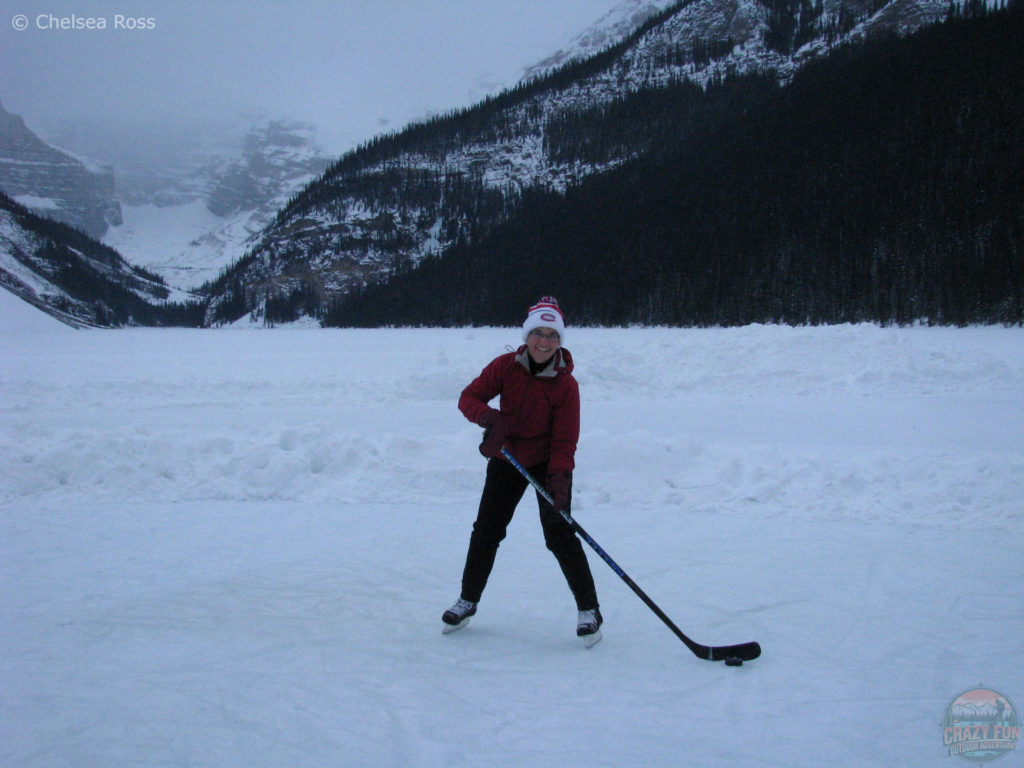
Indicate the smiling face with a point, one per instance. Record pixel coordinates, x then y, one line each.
542 343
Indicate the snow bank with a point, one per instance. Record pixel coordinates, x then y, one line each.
847 422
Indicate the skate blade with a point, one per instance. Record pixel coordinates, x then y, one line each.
589 641
449 628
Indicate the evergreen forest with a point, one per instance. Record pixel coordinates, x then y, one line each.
884 183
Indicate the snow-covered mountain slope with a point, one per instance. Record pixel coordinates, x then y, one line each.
189 217
408 195
75 278
55 183
616 25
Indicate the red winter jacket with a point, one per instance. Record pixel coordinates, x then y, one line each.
541 413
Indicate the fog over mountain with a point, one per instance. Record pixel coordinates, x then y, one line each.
351 69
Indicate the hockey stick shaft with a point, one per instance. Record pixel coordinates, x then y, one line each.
745 651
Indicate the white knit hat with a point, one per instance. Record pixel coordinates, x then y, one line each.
545 314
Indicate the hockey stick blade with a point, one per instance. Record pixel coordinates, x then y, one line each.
743 651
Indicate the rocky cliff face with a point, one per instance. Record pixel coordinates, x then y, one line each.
53 183
274 157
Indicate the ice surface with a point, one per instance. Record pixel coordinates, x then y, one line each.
233 548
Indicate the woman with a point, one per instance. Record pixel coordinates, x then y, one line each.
539 422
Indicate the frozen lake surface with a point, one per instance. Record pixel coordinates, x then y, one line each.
233 548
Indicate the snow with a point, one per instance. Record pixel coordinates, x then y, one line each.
185 244
19 272
616 25
36 202
233 548
17 316
13 239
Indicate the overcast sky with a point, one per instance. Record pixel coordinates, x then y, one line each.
353 67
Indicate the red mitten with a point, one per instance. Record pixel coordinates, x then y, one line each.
494 433
558 485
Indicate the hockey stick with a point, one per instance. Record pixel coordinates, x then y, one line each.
743 652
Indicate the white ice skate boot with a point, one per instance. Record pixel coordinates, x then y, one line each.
588 627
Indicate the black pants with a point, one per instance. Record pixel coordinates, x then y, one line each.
502 491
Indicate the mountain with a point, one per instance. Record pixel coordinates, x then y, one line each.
420 192
882 183
80 281
55 184
612 28
190 212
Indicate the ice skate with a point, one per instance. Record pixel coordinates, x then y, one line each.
457 616
588 627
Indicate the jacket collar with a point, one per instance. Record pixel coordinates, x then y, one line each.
555 365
